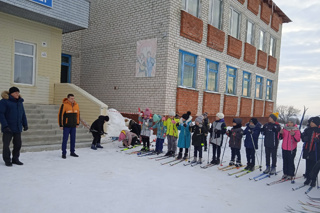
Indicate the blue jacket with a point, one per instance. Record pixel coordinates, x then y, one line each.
12 113
161 129
184 135
255 132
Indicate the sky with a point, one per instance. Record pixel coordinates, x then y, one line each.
299 76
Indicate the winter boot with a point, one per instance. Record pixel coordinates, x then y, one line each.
93 147
200 161
273 171
248 166
168 153
307 182
289 177
238 164
284 177
217 162
143 149
231 163
213 161
313 183
179 155
185 156
194 160
99 146
252 167
267 170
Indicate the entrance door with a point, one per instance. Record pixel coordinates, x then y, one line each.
65 76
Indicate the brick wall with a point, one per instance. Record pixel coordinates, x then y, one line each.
268 109
215 39
262 59
249 53
276 22
245 107
230 106
187 100
234 47
191 27
211 103
253 6
258 108
265 13
272 64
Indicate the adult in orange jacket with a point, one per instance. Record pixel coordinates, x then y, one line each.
69 119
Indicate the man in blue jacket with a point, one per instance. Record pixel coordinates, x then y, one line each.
12 119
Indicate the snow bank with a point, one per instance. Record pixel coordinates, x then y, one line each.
116 123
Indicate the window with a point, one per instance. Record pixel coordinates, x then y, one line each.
234 23
272 50
231 80
187 69
212 75
250 33
246 84
24 63
65 76
269 90
215 13
192 7
259 82
261 40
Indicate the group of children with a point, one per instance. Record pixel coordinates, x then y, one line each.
179 130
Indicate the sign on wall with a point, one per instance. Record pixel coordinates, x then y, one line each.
47 3
146 58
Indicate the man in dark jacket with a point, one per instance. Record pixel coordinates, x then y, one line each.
97 130
12 119
271 131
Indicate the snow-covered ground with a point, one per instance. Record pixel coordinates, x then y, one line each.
108 180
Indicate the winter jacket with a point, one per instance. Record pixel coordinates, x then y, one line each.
235 135
217 130
97 125
198 136
146 124
69 114
129 136
12 113
289 142
172 127
253 131
134 127
271 132
311 148
185 135
161 129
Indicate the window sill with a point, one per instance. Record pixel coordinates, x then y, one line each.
189 88
246 97
231 95
270 101
23 85
213 92
259 99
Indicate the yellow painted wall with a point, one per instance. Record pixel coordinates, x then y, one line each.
47 70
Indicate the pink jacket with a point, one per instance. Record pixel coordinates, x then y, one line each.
129 136
289 141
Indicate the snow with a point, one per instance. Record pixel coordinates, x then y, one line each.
116 123
109 180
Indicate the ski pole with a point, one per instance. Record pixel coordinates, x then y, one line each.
223 151
208 152
254 147
261 153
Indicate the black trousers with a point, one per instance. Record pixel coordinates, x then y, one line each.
145 141
309 166
181 150
288 161
216 149
196 150
315 171
6 153
235 152
96 138
250 153
271 152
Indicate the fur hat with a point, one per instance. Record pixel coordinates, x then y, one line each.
199 119
254 121
186 116
147 112
220 115
274 116
172 113
315 120
13 89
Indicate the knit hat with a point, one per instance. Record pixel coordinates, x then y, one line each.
156 118
186 116
274 116
199 119
220 115
13 89
254 121
315 120
122 135
293 120
127 121
172 113
106 118
147 112
205 115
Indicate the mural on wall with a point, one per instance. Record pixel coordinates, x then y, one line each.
146 58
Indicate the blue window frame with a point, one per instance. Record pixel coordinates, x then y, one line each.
212 75
258 90
65 76
231 80
187 73
269 89
246 84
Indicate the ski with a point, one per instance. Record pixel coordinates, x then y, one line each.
314 198
221 168
158 157
177 162
309 204
207 166
143 154
227 169
309 189
299 187
132 153
280 181
254 178
247 172
304 208
197 163
267 176
169 161
292 210
234 173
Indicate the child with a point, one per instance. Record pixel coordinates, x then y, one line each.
97 130
206 125
127 138
311 150
172 133
185 135
146 123
271 132
290 135
161 131
235 135
252 133
199 132
134 128
217 130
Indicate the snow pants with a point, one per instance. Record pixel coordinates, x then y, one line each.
159 144
145 141
288 161
196 150
315 171
310 164
6 153
172 143
271 152
96 138
235 152
250 153
216 151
